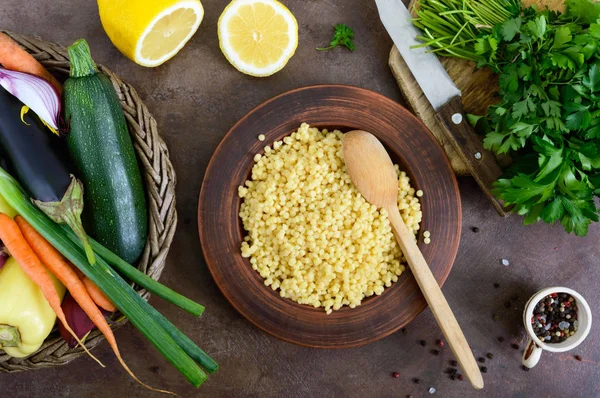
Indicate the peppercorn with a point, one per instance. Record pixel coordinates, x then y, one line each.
439 342
482 360
483 369
460 377
404 331
435 352
453 363
423 343
515 346
475 229
525 368
416 381
490 355
496 317
578 357
395 375
501 339
496 285
507 304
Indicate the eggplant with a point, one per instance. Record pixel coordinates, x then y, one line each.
35 157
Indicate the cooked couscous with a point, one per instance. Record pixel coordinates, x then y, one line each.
311 234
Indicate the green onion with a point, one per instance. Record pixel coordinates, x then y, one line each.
185 342
159 332
142 279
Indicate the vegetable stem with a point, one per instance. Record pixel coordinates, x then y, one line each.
82 63
9 336
141 278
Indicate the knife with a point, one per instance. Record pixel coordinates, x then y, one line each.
443 95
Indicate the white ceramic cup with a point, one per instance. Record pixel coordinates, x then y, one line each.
535 346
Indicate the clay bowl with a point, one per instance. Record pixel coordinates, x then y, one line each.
410 144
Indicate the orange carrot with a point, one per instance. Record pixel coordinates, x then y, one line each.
98 295
13 57
13 239
67 275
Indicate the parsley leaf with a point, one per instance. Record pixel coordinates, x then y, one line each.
343 35
510 28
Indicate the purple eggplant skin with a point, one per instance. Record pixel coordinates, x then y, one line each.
34 156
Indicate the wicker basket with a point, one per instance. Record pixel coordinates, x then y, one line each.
159 178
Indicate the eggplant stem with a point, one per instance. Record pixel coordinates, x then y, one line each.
9 336
68 211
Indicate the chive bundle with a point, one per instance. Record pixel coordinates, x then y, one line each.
451 27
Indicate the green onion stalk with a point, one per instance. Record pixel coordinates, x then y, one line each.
451 27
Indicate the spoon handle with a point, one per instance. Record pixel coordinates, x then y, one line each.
435 298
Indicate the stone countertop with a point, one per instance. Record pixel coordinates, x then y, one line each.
196 97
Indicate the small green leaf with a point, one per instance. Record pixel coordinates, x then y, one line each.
553 211
579 120
510 28
592 81
562 36
537 27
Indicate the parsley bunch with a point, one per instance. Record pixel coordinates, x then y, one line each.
342 36
548 118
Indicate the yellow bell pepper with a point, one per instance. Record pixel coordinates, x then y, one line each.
6 209
26 318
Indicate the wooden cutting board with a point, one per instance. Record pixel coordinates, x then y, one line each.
478 86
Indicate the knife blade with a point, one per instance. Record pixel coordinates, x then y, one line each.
444 96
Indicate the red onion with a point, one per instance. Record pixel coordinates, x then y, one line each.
77 320
36 93
3 257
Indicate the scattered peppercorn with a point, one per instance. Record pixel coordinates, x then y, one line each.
460 377
578 357
416 381
435 352
490 355
525 368
404 331
482 360
439 342
452 377
496 285
483 369
432 390
515 346
514 298
496 317
423 343
453 363
395 375
501 339
507 304
475 229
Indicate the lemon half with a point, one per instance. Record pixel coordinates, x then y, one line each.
150 32
258 37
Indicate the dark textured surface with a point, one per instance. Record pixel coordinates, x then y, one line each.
196 98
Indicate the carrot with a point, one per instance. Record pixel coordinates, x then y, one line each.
13 239
98 295
13 57
67 275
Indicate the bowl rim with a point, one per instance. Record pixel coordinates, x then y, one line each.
208 171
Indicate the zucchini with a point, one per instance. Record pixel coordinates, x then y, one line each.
37 159
115 212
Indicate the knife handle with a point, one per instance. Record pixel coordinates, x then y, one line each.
480 162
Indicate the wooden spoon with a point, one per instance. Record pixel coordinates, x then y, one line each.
373 173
